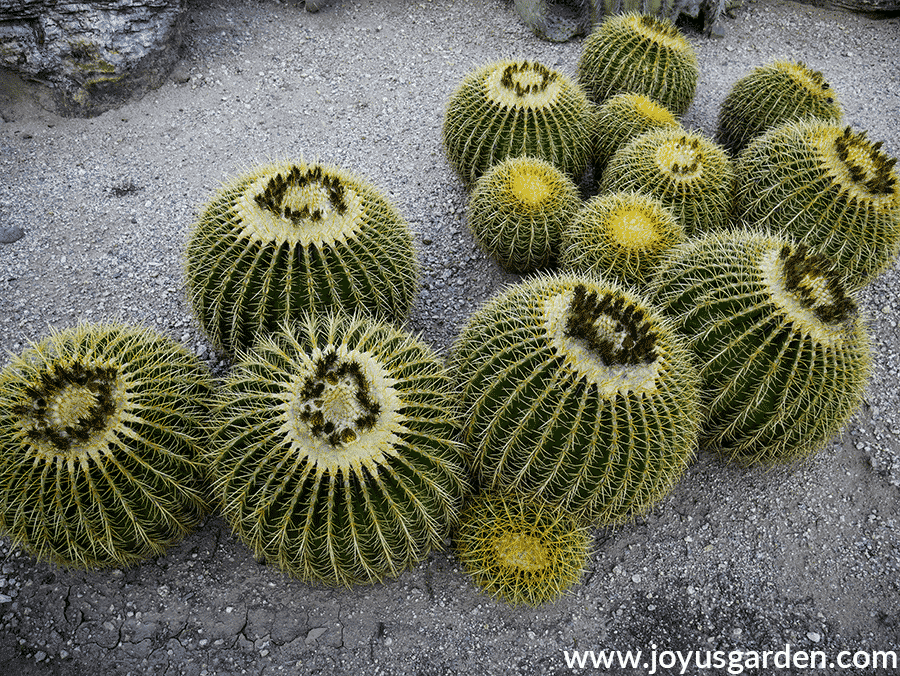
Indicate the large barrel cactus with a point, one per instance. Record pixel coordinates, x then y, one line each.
523 551
516 107
334 450
687 172
101 438
292 237
518 209
770 95
639 54
826 186
783 350
577 393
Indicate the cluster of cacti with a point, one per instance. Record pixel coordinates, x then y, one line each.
784 353
620 236
771 95
639 54
512 108
518 209
521 551
687 172
578 393
334 449
101 443
828 187
621 118
291 237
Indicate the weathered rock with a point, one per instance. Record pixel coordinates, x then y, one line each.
93 55
10 234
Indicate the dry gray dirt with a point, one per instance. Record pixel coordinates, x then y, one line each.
732 560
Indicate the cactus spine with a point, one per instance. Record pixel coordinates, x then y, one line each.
521 551
518 209
771 95
828 187
639 54
784 352
334 450
621 118
291 237
512 108
577 393
100 445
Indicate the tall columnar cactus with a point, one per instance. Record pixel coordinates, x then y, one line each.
100 445
621 118
290 237
828 187
771 95
519 550
511 108
518 209
639 54
784 352
334 450
686 171
620 236
578 393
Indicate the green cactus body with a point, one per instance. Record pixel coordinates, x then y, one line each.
620 236
828 187
512 108
577 393
518 209
621 118
771 95
687 172
785 355
100 446
639 54
521 551
288 238
334 450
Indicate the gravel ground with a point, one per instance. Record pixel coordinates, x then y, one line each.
731 560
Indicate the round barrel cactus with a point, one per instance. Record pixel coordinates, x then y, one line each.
639 54
826 186
101 439
621 118
334 450
292 237
771 95
784 351
516 107
620 236
687 172
518 209
578 393
521 551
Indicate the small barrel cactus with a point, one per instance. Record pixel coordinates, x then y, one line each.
334 450
771 95
639 54
686 171
620 236
621 118
291 237
784 352
511 108
101 439
518 209
826 186
521 551
578 393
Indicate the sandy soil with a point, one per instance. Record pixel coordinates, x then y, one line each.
732 560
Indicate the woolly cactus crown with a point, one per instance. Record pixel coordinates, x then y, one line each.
516 107
100 445
290 237
334 450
